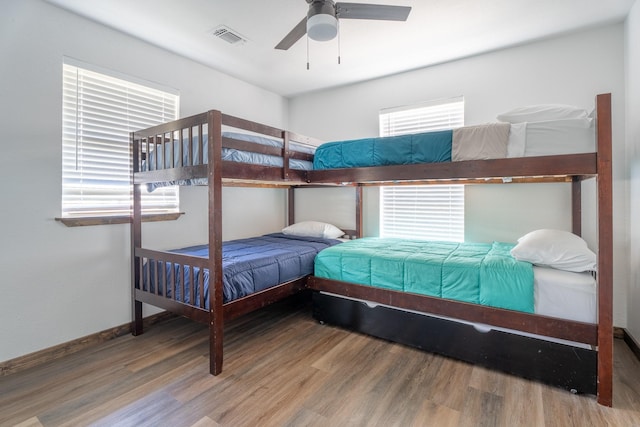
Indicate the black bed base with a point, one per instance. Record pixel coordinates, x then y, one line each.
565 366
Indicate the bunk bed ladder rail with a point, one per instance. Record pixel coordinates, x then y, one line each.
156 152
172 281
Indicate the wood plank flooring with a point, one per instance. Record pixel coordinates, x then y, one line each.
284 369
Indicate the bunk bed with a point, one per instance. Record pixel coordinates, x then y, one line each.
191 150
190 281
397 315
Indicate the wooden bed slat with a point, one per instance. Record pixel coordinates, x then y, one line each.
263 298
250 126
567 165
535 324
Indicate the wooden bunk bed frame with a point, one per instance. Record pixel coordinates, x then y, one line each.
568 168
193 129
573 168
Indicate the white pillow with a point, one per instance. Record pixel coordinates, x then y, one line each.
313 229
557 249
542 112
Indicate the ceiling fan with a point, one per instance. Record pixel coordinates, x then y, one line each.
321 22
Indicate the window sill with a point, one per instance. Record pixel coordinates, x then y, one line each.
122 219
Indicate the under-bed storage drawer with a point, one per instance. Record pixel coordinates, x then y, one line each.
572 368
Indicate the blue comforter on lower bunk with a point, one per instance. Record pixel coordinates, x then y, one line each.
248 266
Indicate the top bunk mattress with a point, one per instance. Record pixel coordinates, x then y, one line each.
161 159
488 141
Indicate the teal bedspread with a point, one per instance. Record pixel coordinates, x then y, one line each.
428 147
479 273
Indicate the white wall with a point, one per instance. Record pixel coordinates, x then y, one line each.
333 205
61 283
632 51
568 70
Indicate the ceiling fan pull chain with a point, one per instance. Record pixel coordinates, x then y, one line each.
338 42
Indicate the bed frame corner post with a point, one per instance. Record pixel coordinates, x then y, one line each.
216 313
136 236
291 208
605 249
576 205
359 207
285 155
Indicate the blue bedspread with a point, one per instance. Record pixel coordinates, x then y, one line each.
429 147
228 154
249 265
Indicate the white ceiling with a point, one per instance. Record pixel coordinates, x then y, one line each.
436 31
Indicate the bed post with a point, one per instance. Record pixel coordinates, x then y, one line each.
359 211
285 155
576 205
291 205
136 238
216 318
605 250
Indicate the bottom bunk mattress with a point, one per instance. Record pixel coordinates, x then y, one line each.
478 273
472 273
248 266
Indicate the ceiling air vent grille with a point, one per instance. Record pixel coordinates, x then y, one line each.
227 34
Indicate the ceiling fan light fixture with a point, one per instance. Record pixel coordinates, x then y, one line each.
322 27
321 23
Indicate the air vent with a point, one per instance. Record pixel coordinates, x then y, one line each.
227 34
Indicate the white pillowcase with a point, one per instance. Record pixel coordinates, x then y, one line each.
313 229
517 140
542 112
557 249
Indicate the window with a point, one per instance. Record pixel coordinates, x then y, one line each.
430 212
98 112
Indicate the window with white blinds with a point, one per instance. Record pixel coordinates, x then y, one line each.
423 117
429 212
99 110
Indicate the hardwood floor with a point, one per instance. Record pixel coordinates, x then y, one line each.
284 369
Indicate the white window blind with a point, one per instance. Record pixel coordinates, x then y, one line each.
429 212
99 111
427 116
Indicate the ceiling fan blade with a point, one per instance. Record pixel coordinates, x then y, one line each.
372 11
295 35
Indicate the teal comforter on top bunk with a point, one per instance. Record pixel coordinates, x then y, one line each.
487 141
430 147
479 273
